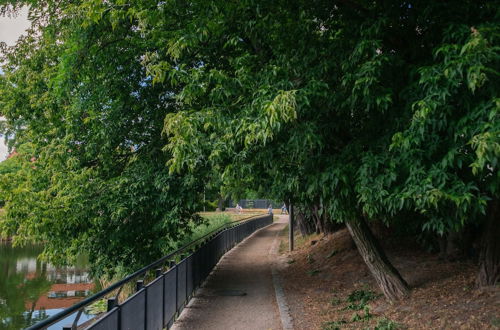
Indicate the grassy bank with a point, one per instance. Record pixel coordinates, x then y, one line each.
214 220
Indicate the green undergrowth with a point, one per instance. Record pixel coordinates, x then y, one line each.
386 324
97 307
382 324
357 301
212 222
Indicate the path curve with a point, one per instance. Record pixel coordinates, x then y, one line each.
239 293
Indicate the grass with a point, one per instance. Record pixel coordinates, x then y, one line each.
214 220
234 216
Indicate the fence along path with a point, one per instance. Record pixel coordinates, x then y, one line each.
157 304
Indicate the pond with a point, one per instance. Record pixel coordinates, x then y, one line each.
31 290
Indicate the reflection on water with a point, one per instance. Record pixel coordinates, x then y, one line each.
31 290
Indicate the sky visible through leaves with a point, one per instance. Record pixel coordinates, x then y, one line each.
10 29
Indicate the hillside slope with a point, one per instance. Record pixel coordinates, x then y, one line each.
328 286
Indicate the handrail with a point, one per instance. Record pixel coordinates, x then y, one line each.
224 226
70 310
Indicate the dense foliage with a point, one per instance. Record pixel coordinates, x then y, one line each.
94 179
383 110
353 109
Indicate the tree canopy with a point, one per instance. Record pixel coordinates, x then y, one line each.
365 109
94 178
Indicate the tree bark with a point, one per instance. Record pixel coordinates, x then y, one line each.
317 219
489 257
304 226
388 278
220 204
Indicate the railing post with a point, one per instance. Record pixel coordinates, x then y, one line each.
139 285
206 254
171 265
111 304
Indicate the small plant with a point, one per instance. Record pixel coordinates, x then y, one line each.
335 301
333 325
362 317
334 252
291 261
98 307
359 298
314 272
386 324
310 259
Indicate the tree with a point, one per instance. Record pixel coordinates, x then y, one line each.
354 110
94 180
371 108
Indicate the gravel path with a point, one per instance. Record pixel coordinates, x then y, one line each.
239 294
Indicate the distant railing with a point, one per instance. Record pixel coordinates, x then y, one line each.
157 304
255 203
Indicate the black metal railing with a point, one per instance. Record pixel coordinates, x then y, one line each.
173 281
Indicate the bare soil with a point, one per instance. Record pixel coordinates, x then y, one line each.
319 277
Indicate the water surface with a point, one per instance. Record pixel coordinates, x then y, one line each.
31 290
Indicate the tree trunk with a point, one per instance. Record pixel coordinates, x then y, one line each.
317 219
220 204
489 257
388 278
304 226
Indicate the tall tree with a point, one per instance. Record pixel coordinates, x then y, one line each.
365 109
95 179
372 108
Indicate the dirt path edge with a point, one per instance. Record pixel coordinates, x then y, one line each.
284 309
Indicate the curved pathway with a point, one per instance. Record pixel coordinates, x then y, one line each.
239 294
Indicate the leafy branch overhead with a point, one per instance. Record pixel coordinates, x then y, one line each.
354 110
